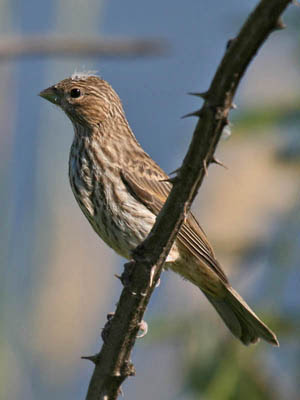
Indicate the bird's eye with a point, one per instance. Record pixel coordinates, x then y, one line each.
75 93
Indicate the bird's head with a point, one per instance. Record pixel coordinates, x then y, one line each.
87 99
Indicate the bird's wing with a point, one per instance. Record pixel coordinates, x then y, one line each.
152 191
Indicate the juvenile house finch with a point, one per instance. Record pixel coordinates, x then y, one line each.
120 190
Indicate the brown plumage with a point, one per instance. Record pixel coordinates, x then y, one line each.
120 189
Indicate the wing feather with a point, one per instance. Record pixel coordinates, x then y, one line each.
152 191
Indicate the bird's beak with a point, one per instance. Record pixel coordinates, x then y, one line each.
51 94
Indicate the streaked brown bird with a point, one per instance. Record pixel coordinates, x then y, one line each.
120 189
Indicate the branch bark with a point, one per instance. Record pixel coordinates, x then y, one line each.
14 47
112 364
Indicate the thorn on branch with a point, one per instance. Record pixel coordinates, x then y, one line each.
118 277
175 171
214 160
229 43
171 180
197 113
203 95
93 358
174 179
205 167
279 25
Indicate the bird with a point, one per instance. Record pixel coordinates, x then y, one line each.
120 189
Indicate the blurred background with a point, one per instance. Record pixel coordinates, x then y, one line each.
57 277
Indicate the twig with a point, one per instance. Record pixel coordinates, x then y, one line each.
113 363
13 47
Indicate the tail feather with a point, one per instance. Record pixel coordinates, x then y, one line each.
240 319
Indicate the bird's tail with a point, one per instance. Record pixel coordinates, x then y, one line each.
240 319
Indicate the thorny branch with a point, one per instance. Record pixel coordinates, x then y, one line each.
112 364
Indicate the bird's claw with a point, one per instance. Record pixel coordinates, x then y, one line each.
152 273
143 327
